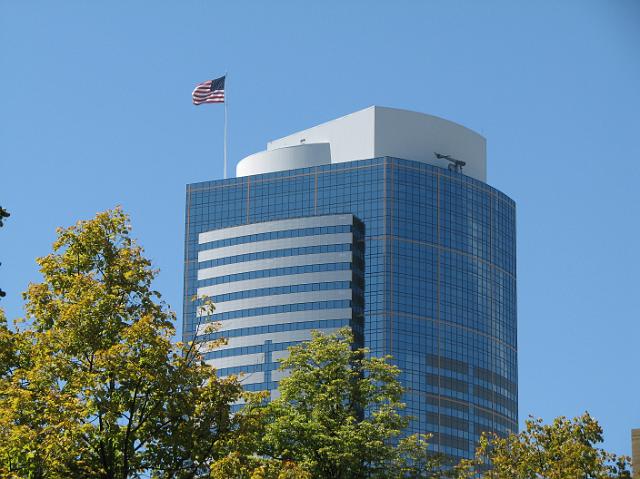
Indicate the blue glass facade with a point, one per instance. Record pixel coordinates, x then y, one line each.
439 280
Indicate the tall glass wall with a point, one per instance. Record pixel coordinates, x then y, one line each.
440 278
273 283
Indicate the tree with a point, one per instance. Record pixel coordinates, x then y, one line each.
564 449
92 384
338 415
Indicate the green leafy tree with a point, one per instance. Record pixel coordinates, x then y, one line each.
91 383
7 353
338 415
237 466
244 457
564 449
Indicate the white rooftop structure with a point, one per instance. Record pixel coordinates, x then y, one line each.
370 133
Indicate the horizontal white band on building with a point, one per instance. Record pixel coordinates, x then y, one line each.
277 300
278 225
276 244
276 355
248 378
251 378
277 375
275 281
235 361
271 263
280 318
259 339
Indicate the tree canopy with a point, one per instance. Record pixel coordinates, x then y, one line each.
564 449
338 415
92 384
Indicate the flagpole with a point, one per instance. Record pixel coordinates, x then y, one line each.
226 99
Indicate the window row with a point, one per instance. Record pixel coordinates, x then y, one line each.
268 273
296 288
284 308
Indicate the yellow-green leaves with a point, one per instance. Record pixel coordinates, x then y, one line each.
338 415
564 449
91 384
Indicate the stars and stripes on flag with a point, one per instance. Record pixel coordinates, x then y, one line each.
210 91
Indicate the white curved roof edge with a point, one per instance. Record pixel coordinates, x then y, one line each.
285 158
370 133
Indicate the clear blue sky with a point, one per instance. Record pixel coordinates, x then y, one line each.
95 111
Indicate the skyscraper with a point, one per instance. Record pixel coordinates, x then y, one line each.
358 222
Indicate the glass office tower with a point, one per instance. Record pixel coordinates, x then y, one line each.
417 258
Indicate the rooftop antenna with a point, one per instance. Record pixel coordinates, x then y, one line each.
454 165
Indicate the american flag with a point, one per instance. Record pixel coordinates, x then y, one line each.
210 91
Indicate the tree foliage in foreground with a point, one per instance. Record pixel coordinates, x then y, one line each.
564 449
91 384
339 416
